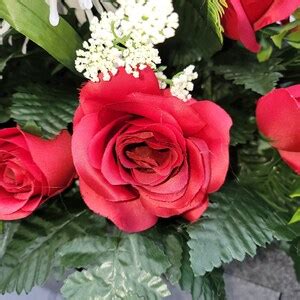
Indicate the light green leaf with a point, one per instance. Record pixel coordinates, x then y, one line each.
31 19
106 282
296 217
48 109
296 193
233 226
129 267
216 10
29 256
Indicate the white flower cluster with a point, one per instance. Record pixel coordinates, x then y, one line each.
126 38
182 85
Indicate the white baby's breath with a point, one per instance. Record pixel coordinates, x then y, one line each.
182 83
126 38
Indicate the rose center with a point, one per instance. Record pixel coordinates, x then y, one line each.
145 156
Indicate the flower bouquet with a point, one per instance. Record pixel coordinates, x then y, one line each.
146 143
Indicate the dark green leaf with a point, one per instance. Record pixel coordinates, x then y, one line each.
6 233
233 226
30 255
4 109
263 170
129 267
173 248
31 19
198 28
208 287
242 68
48 109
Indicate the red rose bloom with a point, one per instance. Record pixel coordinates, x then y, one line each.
31 170
278 118
142 154
243 17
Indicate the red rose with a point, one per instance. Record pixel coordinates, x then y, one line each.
31 170
141 154
243 17
278 118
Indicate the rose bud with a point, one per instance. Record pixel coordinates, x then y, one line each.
31 170
278 119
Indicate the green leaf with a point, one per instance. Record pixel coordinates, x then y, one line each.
243 127
4 109
296 193
106 282
233 226
128 267
31 19
272 179
7 230
216 10
30 255
4 60
199 27
174 251
296 217
242 68
48 109
208 287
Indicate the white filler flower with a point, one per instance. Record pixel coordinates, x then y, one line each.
182 83
126 38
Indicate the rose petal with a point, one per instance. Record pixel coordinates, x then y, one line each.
238 27
194 214
278 10
216 135
292 159
83 134
93 95
129 216
161 109
57 166
169 205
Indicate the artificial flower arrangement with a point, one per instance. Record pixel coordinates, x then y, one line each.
181 155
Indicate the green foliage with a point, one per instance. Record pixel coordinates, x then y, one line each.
174 252
242 68
31 19
233 226
6 234
199 27
43 109
127 267
216 9
208 287
4 110
263 170
243 127
296 216
31 246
